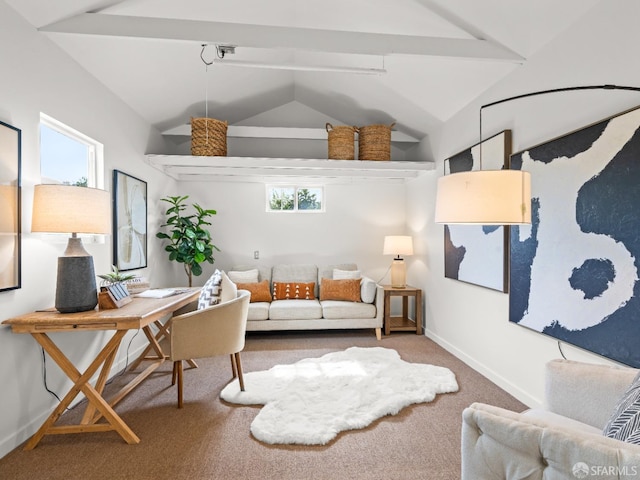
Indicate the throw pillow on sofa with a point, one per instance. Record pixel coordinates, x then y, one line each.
259 291
293 291
244 276
368 290
346 274
346 290
624 424
367 285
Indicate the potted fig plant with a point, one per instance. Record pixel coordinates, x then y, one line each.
189 242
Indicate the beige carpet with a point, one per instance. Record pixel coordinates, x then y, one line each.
210 439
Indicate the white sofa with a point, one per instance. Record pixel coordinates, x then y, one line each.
564 440
314 314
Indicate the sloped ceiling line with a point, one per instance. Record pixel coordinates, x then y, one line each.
462 24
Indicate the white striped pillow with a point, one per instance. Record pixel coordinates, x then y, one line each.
211 291
624 424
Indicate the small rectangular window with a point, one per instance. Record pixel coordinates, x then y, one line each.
295 198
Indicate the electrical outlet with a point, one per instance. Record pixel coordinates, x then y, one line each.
256 254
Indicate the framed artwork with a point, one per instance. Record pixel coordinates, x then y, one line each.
473 253
574 270
10 198
129 221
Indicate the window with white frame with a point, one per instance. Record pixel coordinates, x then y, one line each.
295 198
69 157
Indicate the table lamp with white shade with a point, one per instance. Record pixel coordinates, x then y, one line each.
72 209
398 245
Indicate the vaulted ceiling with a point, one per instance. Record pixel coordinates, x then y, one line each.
438 54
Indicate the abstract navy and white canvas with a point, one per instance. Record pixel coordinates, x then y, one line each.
477 254
574 270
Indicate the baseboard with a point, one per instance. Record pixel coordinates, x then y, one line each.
499 380
26 431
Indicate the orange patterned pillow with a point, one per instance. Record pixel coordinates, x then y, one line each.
259 291
348 289
293 290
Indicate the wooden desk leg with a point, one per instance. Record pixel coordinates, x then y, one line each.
102 381
163 331
387 313
157 361
81 384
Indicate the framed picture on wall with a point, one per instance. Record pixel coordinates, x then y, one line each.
575 269
129 221
472 253
10 221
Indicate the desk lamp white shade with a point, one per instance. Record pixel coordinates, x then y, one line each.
398 245
484 197
71 209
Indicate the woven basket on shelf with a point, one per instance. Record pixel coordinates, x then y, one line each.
374 142
208 137
341 142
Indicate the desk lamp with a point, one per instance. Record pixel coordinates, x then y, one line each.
71 209
398 245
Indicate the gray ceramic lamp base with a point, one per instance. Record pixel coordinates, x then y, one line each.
76 289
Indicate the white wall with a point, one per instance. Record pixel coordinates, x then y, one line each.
471 321
38 77
352 228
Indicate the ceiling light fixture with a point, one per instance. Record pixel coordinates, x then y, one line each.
223 50
493 197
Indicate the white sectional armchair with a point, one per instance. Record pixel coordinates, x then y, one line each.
562 441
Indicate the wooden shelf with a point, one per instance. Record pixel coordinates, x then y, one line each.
401 324
194 168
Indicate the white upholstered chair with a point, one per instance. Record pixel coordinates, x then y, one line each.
216 330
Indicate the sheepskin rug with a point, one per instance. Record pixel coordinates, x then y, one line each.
311 401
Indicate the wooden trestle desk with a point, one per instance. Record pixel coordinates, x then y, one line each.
141 313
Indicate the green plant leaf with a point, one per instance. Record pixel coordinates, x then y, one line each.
196 269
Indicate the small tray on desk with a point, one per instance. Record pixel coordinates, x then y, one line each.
113 296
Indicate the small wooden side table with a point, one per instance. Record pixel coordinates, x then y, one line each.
403 323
